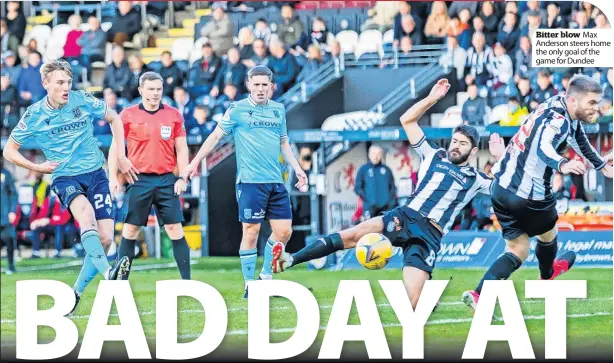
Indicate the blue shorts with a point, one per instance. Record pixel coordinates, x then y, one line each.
258 202
94 185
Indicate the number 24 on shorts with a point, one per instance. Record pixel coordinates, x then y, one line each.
101 199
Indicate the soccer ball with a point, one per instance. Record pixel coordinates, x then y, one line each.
373 251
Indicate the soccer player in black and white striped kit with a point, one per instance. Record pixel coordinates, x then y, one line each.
521 193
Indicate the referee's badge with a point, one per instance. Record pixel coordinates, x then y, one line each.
165 132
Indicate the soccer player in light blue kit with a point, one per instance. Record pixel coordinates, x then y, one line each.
258 126
61 126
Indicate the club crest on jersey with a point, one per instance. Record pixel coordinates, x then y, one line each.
247 213
276 113
76 112
165 132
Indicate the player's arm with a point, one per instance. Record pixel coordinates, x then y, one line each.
190 170
579 141
183 158
409 120
554 128
21 134
119 153
286 150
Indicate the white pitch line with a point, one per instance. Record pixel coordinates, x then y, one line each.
197 311
387 325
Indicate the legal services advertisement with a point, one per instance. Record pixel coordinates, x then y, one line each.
336 307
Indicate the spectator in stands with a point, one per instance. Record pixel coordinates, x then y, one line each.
9 40
203 72
555 20
170 73
336 55
93 44
491 22
229 96
375 184
474 108
319 35
30 84
511 7
605 109
516 113
117 75
502 67
72 50
523 58
582 21
246 42
478 57
544 91
509 33
525 93
534 10
219 30
8 213
461 32
40 204
405 8
102 127
32 45
232 72
204 126
185 104
437 23
404 50
292 30
51 219
9 102
125 25
534 23
284 67
408 28
454 57
261 55
607 87
15 20
8 66
384 14
314 61
370 22
137 69
262 31
601 21
458 6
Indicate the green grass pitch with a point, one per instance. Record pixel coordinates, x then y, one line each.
589 323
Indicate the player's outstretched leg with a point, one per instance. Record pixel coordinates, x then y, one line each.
326 245
502 268
282 230
550 266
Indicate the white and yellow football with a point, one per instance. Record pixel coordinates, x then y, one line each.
373 251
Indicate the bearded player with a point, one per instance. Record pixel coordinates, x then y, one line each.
258 126
521 195
446 183
61 125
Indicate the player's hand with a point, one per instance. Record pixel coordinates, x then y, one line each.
180 186
47 167
573 167
12 217
189 172
496 146
127 169
608 158
302 180
440 89
115 187
607 171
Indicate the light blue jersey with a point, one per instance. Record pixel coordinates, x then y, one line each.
64 135
257 131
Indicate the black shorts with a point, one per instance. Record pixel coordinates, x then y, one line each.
418 237
153 190
518 216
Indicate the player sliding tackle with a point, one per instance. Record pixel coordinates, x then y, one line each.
61 125
446 184
258 126
521 195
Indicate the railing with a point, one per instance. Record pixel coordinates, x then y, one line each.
107 10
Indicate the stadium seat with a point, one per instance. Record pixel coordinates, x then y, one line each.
155 66
348 40
183 66
369 41
105 26
388 36
451 118
197 49
41 33
461 97
499 113
182 48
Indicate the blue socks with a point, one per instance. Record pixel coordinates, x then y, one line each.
501 269
248 264
93 249
267 272
87 274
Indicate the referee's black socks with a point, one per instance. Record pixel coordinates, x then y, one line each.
322 247
546 253
126 248
181 251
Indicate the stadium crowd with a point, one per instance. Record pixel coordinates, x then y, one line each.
488 47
